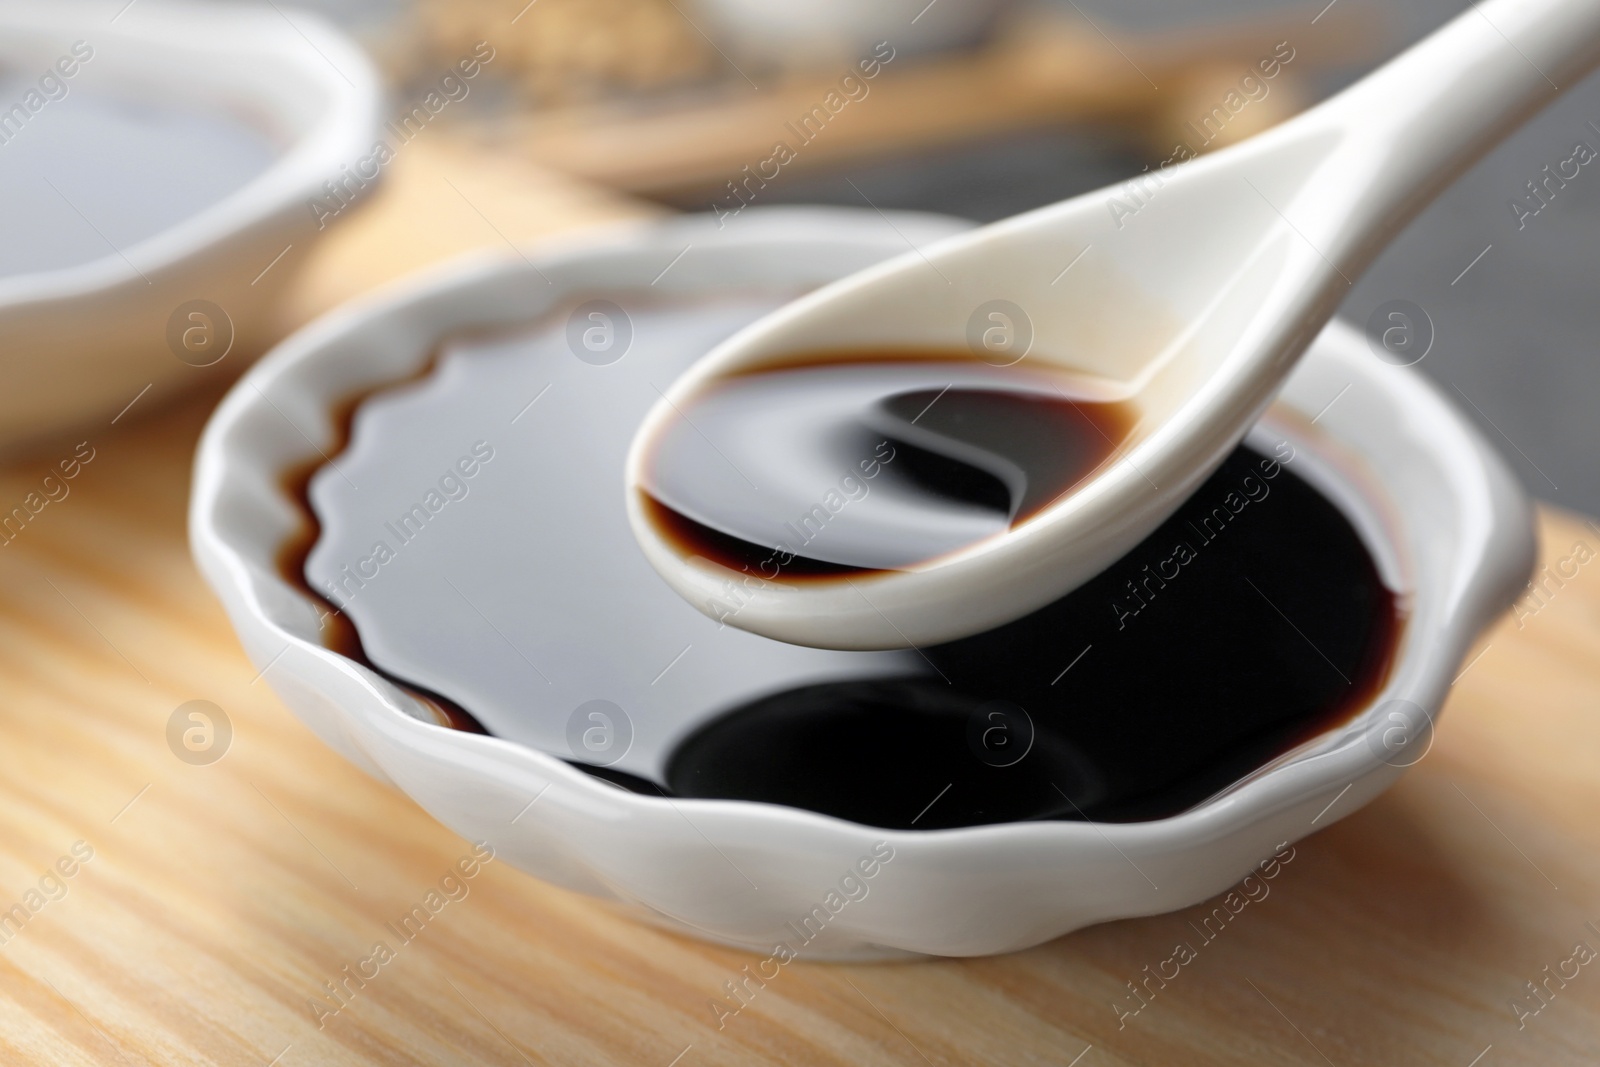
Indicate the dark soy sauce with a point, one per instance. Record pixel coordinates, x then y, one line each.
1252 621
336 630
93 172
1222 641
843 462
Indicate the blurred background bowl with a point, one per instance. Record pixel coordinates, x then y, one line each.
159 196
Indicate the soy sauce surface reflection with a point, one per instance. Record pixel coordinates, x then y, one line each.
955 450
1250 621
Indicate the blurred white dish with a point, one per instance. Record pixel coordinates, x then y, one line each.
252 109
1446 512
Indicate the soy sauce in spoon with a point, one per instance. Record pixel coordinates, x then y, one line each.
841 463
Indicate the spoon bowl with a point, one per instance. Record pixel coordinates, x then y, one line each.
1187 293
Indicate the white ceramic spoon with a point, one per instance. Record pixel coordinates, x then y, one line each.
1195 306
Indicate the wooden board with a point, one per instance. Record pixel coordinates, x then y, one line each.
219 899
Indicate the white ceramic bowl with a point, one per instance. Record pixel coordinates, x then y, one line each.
83 340
1440 510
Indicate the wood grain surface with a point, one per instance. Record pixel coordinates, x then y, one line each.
216 900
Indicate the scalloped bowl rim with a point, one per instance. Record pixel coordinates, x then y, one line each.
593 837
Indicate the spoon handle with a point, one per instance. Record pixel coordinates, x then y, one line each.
1415 124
